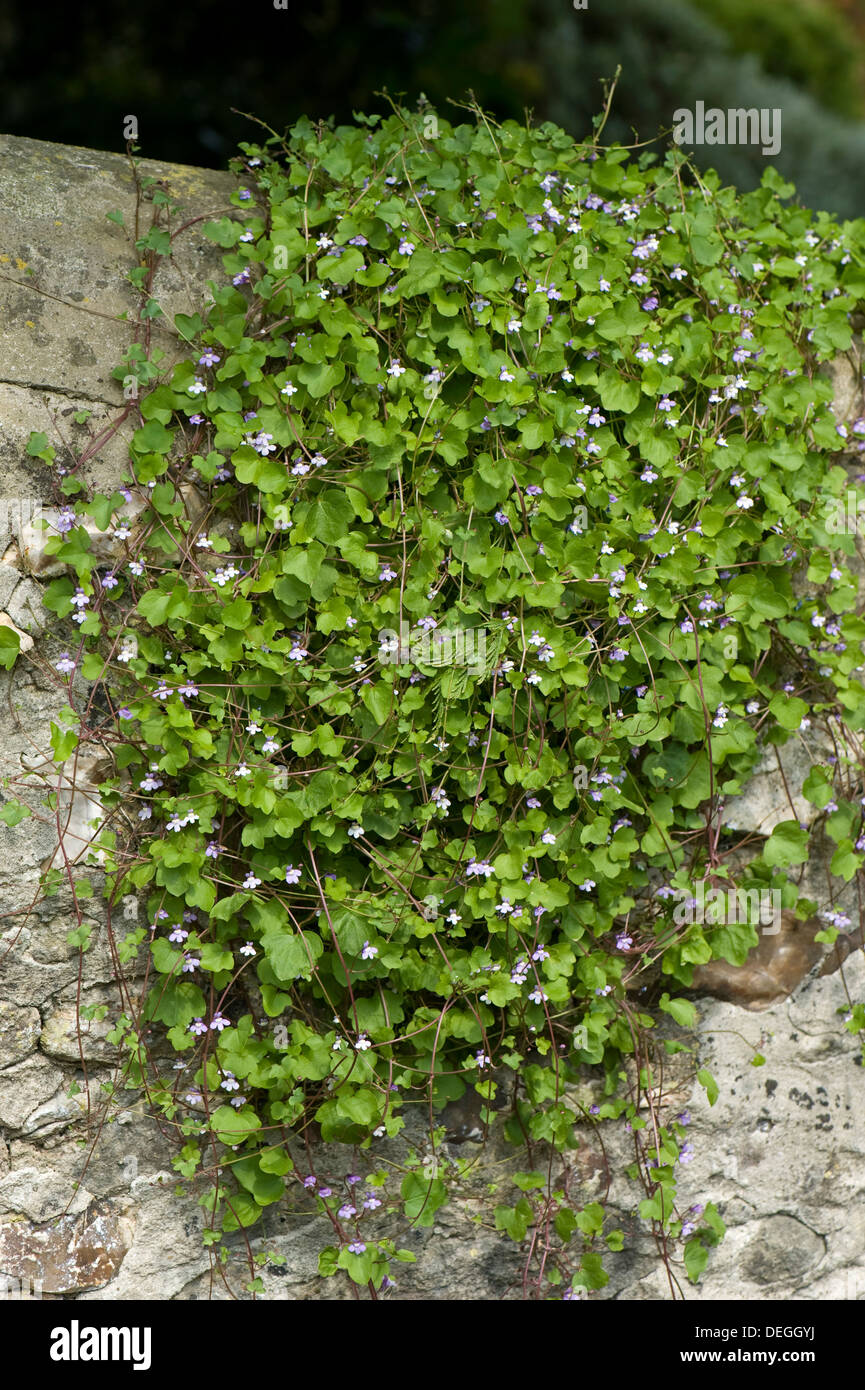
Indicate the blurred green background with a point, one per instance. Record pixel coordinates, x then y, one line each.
72 73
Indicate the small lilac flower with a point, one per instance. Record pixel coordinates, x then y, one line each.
477 868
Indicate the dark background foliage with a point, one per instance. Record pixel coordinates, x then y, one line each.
72 73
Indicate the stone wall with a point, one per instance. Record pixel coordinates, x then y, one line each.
87 1193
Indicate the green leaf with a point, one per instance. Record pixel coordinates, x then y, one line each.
709 1084
188 326
63 742
617 393
696 1259
152 438
232 1126
13 812
292 956
788 844
10 645
327 518
682 1010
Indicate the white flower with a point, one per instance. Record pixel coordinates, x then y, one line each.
289 389
363 1043
745 503
355 831
395 369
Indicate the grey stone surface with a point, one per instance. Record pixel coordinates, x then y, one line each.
64 264
19 1032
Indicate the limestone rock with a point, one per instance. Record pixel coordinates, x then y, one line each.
25 1088
24 638
74 1253
26 608
64 1033
19 1032
777 964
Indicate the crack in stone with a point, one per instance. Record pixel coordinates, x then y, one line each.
60 391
